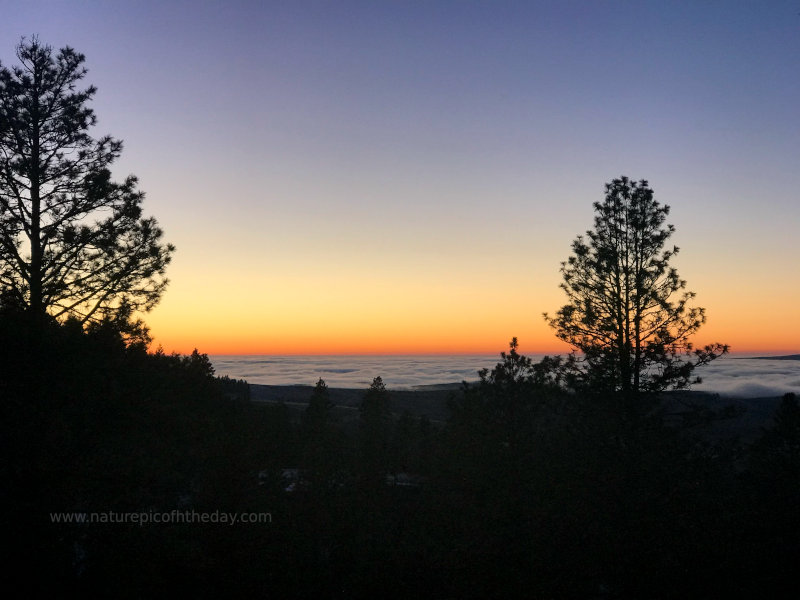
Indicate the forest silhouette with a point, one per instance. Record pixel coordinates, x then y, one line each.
595 475
526 490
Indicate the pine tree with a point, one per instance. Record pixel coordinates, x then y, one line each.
319 408
73 243
375 431
628 311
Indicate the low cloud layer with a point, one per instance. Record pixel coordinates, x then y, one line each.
727 376
397 372
750 377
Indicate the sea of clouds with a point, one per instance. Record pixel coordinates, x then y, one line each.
740 377
732 376
397 372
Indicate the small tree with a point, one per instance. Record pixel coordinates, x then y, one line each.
73 243
319 408
374 410
321 453
375 430
627 310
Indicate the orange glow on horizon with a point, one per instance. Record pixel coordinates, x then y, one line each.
227 336
323 347
222 349
405 312
739 342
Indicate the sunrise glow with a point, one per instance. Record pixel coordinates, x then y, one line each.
407 178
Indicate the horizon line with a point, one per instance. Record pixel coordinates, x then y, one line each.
763 352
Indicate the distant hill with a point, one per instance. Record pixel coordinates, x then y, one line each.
786 357
430 401
745 418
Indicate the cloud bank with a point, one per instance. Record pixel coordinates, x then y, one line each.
727 376
750 377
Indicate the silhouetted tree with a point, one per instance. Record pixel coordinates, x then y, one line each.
771 523
323 450
73 243
778 449
375 430
627 310
374 408
319 408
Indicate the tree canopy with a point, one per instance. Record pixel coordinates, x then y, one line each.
627 309
73 242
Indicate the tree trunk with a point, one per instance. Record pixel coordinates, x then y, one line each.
36 305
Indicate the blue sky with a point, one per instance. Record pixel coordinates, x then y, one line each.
387 172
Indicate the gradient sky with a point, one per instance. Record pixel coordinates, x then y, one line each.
382 177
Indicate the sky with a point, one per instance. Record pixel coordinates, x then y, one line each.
407 177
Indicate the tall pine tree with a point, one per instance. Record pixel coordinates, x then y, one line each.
73 243
627 309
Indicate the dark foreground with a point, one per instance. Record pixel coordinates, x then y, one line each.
744 419
499 490
430 402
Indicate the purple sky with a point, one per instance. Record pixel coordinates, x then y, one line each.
453 142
